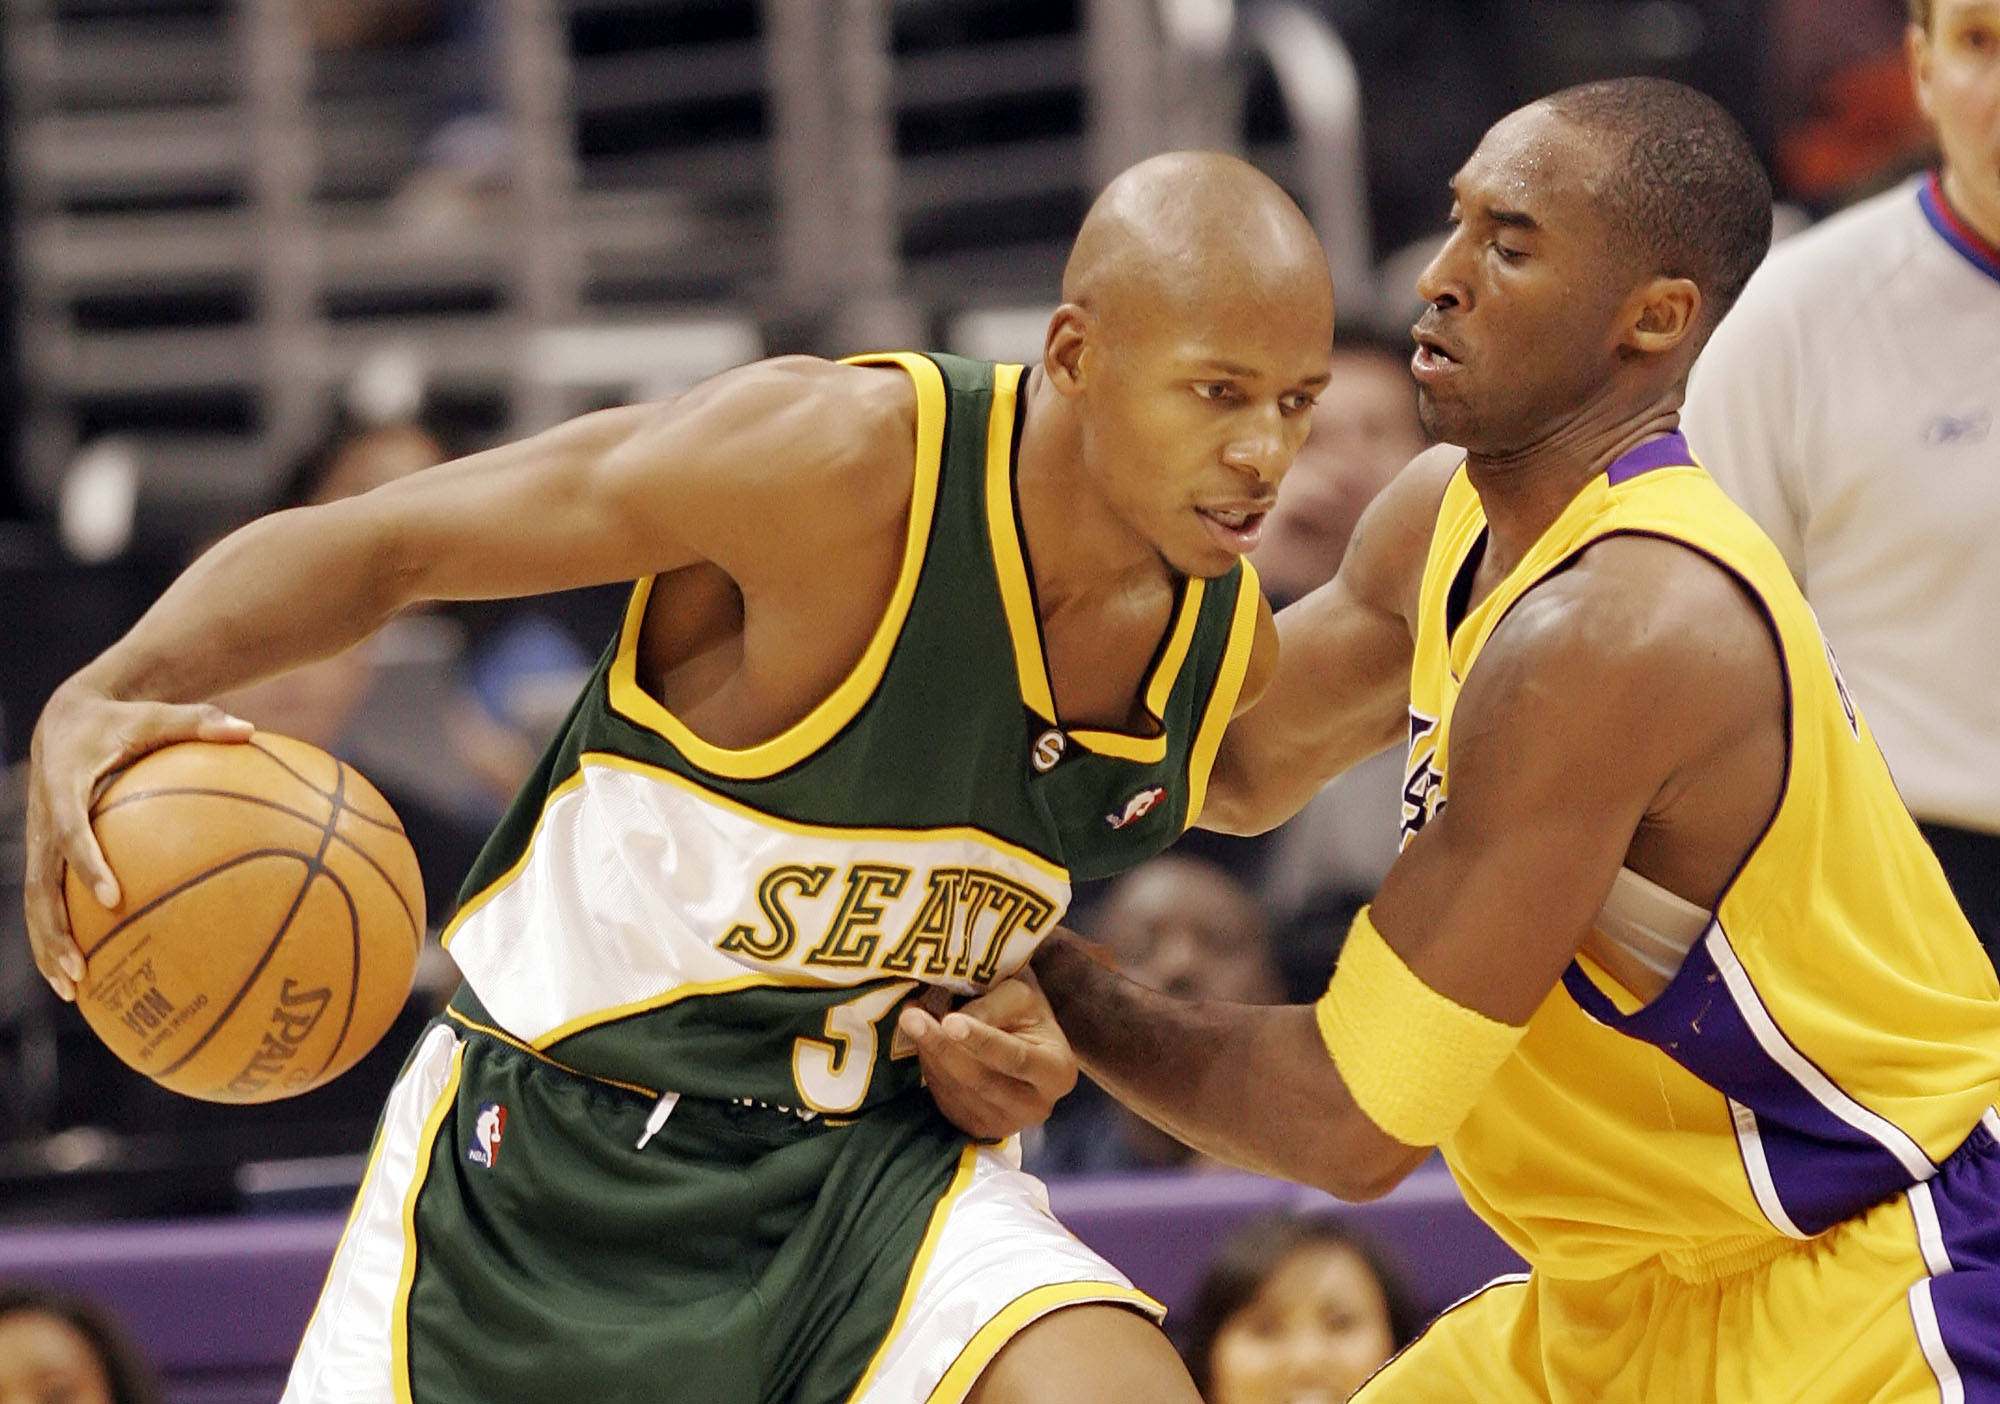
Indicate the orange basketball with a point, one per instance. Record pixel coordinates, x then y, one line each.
270 919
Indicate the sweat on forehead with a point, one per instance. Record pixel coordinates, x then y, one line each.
1188 227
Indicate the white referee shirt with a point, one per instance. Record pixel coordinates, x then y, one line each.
1851 403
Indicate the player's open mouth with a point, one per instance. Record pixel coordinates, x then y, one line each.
1238 529
1431 360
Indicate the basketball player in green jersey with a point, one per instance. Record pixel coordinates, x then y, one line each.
916 640
1665 968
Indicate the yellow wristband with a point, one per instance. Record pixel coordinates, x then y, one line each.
1414 1060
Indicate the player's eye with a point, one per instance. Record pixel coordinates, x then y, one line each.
1507 254
1216 391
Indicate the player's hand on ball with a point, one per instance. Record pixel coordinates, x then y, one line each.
83 736
999 1064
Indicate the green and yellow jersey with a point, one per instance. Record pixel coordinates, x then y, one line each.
670 914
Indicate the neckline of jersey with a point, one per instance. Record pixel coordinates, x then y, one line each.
1668 451
1023 611
1953 228
1479 620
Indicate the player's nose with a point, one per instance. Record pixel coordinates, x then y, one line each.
1261 447
1442 284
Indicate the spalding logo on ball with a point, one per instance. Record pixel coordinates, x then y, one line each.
271 918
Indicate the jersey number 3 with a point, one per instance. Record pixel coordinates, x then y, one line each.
833 1072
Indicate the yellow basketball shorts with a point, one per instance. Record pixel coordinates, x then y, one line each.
1897 1306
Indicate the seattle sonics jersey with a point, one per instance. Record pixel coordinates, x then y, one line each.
1831 1037
670 914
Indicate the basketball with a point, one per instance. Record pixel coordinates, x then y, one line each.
271 917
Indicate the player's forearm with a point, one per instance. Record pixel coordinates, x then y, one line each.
282 591
1251 1085
1266 772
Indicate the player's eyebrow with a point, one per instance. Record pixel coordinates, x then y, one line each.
1512 219
1315 382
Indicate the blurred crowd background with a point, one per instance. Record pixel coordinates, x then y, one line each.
258 253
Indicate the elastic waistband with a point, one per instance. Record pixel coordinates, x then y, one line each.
1714 1261
469 1017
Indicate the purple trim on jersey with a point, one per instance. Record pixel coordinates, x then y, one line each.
1670 451
1966 1300
1953 229
1823 1169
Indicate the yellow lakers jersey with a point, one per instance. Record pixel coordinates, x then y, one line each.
1832 1035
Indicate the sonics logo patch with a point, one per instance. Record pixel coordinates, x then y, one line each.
486 1132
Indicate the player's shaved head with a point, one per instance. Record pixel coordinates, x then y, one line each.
1182 234
1195 328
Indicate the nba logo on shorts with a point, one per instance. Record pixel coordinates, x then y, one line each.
485 1147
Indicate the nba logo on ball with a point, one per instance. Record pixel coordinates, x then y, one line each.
485 1147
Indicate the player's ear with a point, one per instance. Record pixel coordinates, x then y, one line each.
1663 314
1063 351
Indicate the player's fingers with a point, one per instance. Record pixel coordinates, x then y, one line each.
55 951
1004 1052
141 729
202 721
55 955
975 1097
914 1022
947 1063
70 840
1012 1004
991 1109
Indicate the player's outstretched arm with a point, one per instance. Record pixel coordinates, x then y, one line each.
753 471
1340 691
1638 691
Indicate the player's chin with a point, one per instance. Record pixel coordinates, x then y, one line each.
1445 415
1201 558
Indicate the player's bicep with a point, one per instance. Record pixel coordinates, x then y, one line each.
1559 744
619 494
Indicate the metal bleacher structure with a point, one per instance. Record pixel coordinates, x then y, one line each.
210 239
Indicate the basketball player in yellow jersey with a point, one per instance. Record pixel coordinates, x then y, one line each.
785 513
1664 968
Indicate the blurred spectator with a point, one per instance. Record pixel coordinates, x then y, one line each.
1364 430
1294 1310
1851 403
1186 928
1322 865
58 1349
465 156
1841 97
1431 84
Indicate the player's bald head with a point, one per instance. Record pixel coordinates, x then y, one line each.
1188 234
